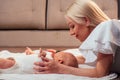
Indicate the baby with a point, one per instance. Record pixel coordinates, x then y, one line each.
65 58
78 56
23 63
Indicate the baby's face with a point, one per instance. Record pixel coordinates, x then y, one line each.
65 58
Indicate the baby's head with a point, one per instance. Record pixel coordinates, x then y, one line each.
66 59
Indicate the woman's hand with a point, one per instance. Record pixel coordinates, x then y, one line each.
47 66
29 51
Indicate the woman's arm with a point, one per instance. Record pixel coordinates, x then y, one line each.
104 63
102 67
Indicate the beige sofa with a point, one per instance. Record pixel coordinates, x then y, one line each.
40 23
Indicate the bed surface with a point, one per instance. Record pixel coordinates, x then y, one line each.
50 76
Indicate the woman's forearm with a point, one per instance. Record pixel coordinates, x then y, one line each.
102 67
92 72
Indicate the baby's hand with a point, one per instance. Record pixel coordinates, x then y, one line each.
42 53
28 51
53 51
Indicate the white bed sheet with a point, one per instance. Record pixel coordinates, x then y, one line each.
50 76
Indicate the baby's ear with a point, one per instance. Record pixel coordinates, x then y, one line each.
61 61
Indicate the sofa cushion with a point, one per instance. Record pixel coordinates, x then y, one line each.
110 7
22 14
55 14
36 38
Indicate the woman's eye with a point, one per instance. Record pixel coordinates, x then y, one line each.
71 26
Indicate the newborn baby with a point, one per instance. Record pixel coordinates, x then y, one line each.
24 62
65 58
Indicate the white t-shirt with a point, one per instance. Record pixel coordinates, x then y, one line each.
105 38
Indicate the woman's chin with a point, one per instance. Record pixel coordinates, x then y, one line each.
79 39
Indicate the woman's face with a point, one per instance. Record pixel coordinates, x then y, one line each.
77 30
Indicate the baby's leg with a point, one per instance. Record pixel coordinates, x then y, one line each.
6 63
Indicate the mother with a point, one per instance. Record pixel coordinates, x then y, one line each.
99 36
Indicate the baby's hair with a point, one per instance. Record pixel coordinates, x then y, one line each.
68 59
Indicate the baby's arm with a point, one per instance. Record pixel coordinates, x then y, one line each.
29 51
6 63
53 51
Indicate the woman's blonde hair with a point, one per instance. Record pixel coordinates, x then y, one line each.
86 8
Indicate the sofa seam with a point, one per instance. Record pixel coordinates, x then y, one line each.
118 4
46 10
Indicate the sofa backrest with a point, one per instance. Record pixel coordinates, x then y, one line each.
22 14
56 10
42 14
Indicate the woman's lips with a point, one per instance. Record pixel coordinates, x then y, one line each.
76 36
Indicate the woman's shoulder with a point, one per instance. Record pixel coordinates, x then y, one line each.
111 22
111 25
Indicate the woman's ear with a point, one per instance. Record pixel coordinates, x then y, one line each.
87 21
61 61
